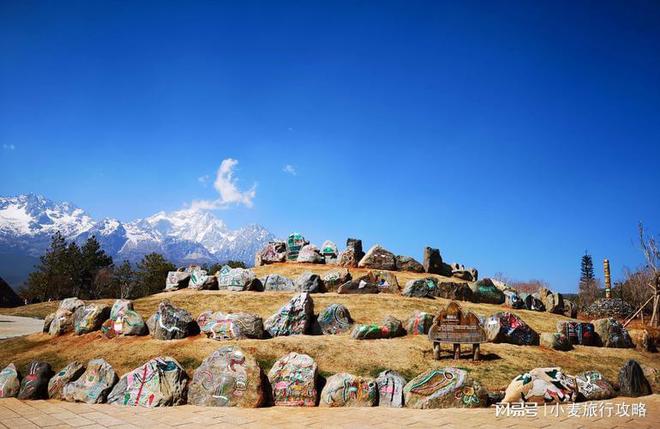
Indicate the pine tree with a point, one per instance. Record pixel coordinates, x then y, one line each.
92 260
586 268
152 273
588 289
124 279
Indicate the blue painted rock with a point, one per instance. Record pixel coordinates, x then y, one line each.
347 390
335 319
294 318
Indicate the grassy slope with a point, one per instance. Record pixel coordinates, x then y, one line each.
409 355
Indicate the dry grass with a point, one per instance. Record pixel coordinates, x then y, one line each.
409 355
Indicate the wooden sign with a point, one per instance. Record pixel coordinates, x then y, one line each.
455 326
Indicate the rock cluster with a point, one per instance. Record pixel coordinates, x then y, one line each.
613 307
62 320
541 386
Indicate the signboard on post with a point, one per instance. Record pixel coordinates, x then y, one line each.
455 326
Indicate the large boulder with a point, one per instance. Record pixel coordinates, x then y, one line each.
71 304
541 386
310 254
276 282
353 253
532 302
295 242
592 386
171 322
61 321
433 264
347 390
570 309
378 258
66 375
421 288
553 301
512 299
176 280
484 291
158 383
335 278
581 333
358 287
273 252
653 376
123 321
632 381
390 389
329 252
202 280
611 333
463 273
34 384
227 378
335 319
294 318
456 291
555 341
384 281
293 380
505 327
94 385
232 326
237 279
10 381
407 263
390 327
443 388
90 318
419 323
309 282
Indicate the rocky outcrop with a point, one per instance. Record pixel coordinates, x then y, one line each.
293 380
505 327
227 378
158 383
294 318
231 326
171 322
443 388
378 258
390 389
335 319
10 381
34 384
93 386
347 390
66 375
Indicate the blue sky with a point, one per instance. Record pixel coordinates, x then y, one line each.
513 136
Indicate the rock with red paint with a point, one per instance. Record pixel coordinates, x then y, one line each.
419 323
443 388
542 386
160 382
390 389
505 327
69 373
90 318
227 378
123 321
348 390
35 383
230 326
93 386
390 327
10 382
61 321
293 379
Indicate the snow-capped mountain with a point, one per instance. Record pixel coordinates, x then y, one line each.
27 223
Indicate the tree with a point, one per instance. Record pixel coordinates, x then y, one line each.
124 280
586 268
151 273
52 277
588 289
92 259
651 253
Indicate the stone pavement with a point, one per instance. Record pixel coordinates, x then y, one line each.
17 414
13 326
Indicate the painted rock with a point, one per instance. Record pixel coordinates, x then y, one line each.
378 258
632 381
335 319
505 327
93 386
227 378
612 333
581 333
294 243
71 304
512 299
384 281
171 323
90 318
347 390
553 301
406 263
329 252
293 379
335 278
456 291
294 318
390 389
35 383
348 258
390 327
541 385
69 373
531 302
653 376
158 383
176 280
201 280
421 288
237 279
273 252
592 386
231 326
310 254
276 282
123 320
570 309
555 341
10 381
485 291
62 320
309 282
357 287
419 323
444 388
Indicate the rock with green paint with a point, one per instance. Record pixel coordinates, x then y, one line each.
90 318
421 288
555 341
419 323
347 390
444 388
10 381
335 319
93 386
541 386
389 328
66 375
484 291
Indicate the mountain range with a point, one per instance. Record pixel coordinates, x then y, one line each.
27 223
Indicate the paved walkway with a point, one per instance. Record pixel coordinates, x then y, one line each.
13 326
17 414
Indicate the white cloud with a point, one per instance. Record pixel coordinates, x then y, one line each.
204 179
8 146
227 187
289 169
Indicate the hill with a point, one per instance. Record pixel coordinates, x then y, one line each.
410 354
